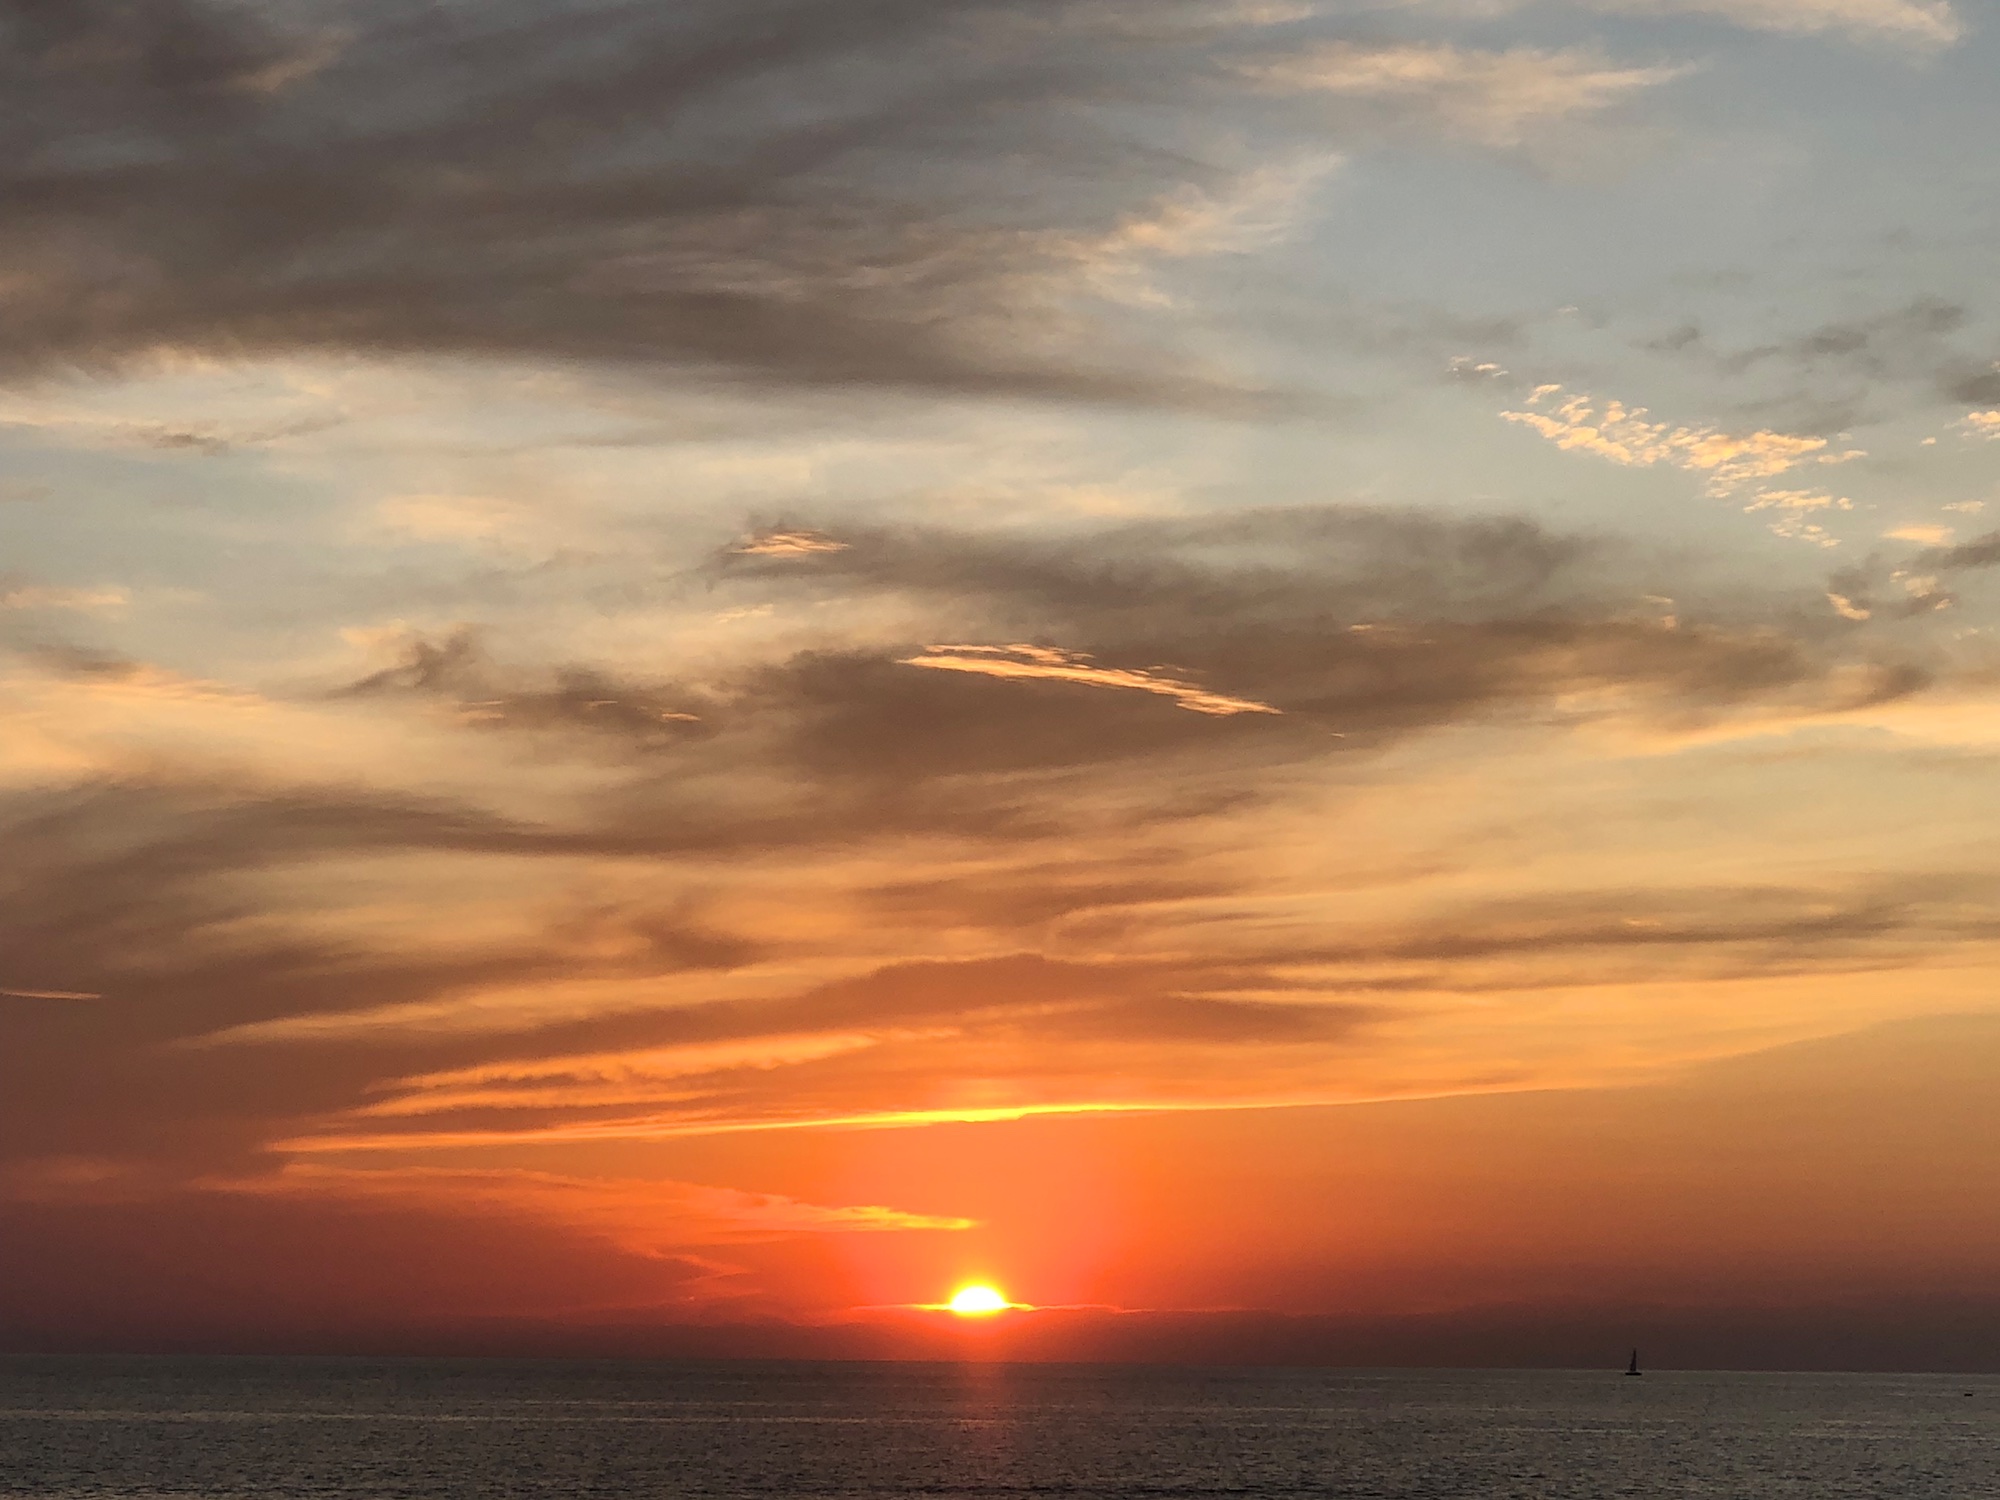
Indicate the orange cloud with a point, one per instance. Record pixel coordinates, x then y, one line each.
642 1214
1624 436
1051 664
788 544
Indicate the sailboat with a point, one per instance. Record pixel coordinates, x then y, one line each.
1633 1368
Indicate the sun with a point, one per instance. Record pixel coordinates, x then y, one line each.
978 1300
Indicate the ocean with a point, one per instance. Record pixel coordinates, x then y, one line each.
288 1429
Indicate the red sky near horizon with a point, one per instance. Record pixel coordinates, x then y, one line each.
674 678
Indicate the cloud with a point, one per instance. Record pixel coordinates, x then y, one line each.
1886 343
647 1216
1919 23
1134 1035
1494 98
59 412
892 194
1050 664
456 668
842 887
1875 590
954 197
95 601
448 517
652 1076
787 544
1729 462
617 182
1793 506
1282 626
1844 371
1980 552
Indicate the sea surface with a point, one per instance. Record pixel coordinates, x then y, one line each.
441 1430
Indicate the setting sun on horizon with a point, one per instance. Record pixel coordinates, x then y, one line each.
978 1300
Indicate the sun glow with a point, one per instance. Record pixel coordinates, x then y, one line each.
978 1301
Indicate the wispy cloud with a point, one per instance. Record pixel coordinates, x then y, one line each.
1919 23
448 517
788 544
638 195
103 600
1494 98
646 1215
1729 463
1052 664
652 1076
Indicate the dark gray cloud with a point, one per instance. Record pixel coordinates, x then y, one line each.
574 697
1884 343
1980 552
1847 370
1367 621
873 192
1355 625
1974 385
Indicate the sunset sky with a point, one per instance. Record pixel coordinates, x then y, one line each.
1298 680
